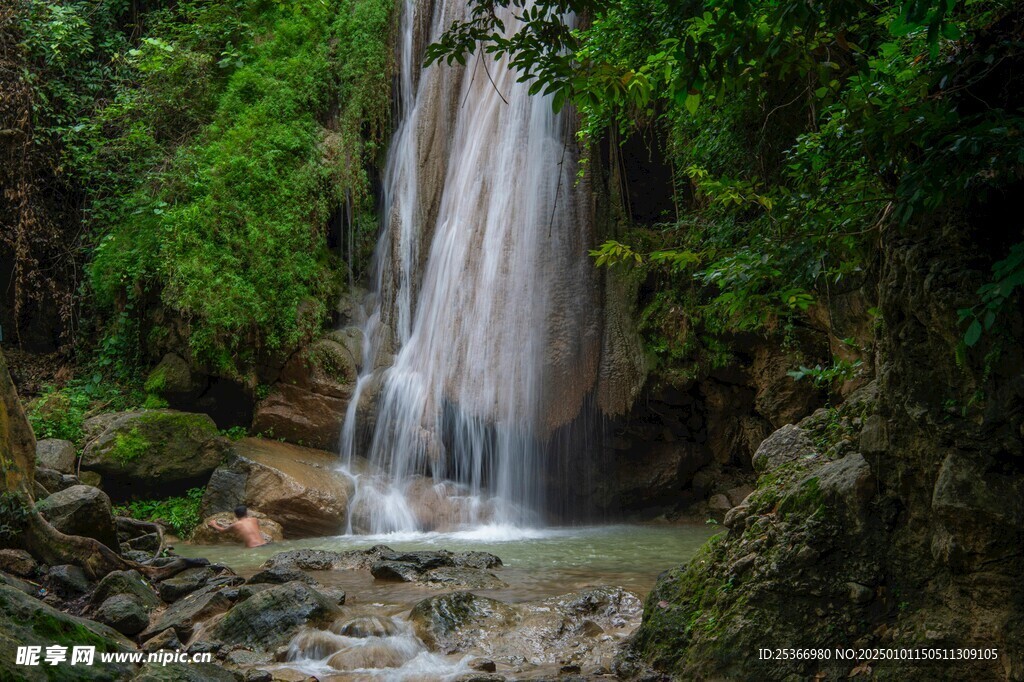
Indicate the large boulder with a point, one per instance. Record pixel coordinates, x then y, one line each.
205 535
192 579
68 580
129 583
53 481
788 444
25 621
268 619
18 562
296 487
81 510
312 393
156 452
59 455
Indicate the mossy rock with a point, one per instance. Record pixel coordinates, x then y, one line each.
174 380
269 619
325 367
126 582
25 621
152 451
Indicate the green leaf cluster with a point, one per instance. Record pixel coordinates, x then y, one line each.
795 133
180 513
214 141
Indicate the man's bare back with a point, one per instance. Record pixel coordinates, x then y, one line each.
246 528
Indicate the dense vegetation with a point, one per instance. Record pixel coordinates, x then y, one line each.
178 164
795 133
181 514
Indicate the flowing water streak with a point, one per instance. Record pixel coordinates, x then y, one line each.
483 313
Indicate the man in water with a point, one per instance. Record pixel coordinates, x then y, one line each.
247 528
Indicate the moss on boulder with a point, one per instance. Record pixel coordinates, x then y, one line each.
25 621
153 451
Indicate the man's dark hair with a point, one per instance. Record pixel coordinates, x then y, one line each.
241 512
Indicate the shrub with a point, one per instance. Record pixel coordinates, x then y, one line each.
180 513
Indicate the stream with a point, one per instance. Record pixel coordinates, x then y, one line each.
538 565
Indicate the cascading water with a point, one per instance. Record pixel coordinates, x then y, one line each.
484 334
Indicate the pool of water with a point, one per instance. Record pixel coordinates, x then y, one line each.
537 562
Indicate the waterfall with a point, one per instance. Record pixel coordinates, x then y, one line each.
483 337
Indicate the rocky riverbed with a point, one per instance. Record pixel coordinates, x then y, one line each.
448 615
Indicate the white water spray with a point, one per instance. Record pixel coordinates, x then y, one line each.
484 334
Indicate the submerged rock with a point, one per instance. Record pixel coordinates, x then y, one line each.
281 575
308 559
365 626
542 632
454 622
453 576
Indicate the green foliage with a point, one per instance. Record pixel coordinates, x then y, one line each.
13 515
236 432
213 140
60 412
156 381
180 513
795 131
231 233
839 371
1007 277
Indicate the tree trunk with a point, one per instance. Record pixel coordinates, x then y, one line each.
17 442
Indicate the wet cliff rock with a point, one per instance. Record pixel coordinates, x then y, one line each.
311 394
894 520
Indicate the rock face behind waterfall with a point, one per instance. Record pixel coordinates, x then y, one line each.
307 403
